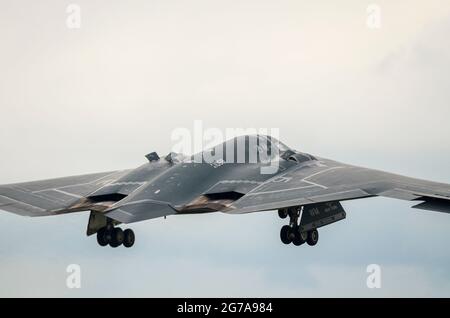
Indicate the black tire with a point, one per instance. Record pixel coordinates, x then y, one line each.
116 237
283 213
300 238
128 240
285 234
313 237
101 237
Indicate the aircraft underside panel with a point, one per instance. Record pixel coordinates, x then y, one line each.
433 204
321 214
140 210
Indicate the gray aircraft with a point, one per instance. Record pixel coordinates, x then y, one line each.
265 176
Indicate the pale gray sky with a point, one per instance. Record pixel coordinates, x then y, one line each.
98 98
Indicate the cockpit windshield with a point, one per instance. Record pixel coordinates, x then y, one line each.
245 149
276 143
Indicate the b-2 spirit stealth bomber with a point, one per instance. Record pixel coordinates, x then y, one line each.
242 175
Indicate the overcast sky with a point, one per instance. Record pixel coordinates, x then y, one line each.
99 98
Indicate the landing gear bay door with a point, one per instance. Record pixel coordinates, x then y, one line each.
321 214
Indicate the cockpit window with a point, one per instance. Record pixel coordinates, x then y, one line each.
246 149
299 157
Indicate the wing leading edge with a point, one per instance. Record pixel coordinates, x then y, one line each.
53 196
333 181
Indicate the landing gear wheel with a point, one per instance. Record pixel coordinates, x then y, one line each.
116 237
285 234
313 237
283 213
300 238
128 240
101 237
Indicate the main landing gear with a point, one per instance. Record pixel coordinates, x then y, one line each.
115 236
291 233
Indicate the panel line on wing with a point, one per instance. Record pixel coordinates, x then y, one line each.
322 171
78 184
20 202
282 190
312 184
68 193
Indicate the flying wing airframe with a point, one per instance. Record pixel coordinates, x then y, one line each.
268 176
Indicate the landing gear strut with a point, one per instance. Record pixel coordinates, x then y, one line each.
115 236
291 233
